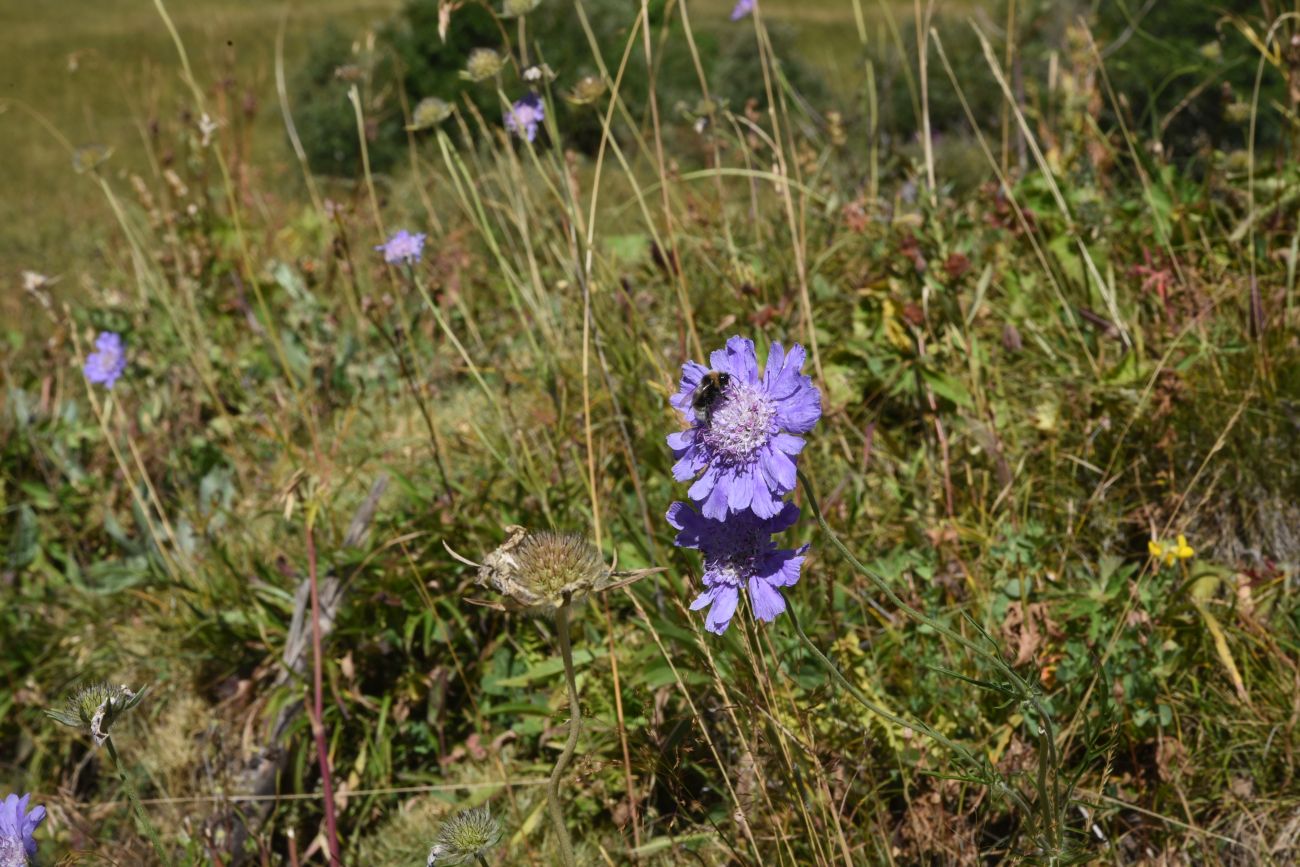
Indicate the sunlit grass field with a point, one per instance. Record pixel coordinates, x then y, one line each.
1002 399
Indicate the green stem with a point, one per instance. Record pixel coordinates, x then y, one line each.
482 862
135 803
575 724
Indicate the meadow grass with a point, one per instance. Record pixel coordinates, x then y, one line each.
1048 613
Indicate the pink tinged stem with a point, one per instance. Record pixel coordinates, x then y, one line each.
318 706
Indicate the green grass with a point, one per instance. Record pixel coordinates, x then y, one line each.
1021 391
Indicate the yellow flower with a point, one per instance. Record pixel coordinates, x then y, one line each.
1155 549
1171 553
1182 551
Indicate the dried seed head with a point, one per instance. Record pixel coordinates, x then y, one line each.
587 90
429 112
558 563
516 8
483 63
96 707
539 572
464 837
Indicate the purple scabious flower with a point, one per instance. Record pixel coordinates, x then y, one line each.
17 825
742 8
402 248
108 361
739 554
745 444
525 116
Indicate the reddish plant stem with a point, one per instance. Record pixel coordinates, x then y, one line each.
318 705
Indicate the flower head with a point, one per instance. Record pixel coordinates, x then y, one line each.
539 572
482 64
429 112
17 827
517 8
108 361
588 89
465 837
1171 552
96 707
739 554
742 8
402 248
743 447
525 116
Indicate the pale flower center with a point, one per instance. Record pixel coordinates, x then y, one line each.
741 423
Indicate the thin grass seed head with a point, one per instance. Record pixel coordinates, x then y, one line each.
96 707
466 836
17 829
483 64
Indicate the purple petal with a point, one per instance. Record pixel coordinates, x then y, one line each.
779 469
781 568
725 599
704 485
764 505
784 520
788 443
799 413
706 598
765 599
740 490
715 505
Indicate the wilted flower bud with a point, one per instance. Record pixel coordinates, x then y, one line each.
429 112
465 837
483 63
588 89
96 707
516 8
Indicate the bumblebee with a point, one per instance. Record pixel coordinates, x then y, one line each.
707 394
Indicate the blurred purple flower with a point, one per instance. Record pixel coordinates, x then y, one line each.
402 248
739 554
742 8
746 443
17 825
108 362
525 116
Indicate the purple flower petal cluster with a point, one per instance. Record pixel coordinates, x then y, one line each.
525 116
739 554
742 8
17 827
108 361
402 248
740 452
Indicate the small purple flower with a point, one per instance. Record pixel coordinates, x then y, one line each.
108 362
742 8
746 443
525 116
739 554
402 248
17 825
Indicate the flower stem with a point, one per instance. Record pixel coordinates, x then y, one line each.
575 723
135 802
317 708
482 862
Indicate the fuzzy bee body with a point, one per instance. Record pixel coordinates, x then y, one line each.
708 393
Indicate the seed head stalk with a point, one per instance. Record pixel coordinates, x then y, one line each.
134 799
575 724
